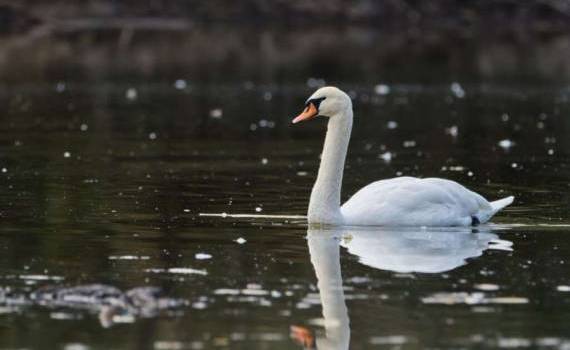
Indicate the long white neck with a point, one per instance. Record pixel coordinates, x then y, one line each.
324 206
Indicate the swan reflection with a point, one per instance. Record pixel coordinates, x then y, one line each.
402 250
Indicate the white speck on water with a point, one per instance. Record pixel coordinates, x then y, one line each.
267 96
514 165
152 136
17 143
240 240
216 113
540 125
409 143
550 140
264 161
390 340
513 343
199 305
66 154
83 127
179 270
488 287
453 131
186 210
506 144
180 84
392 125
224 215
258 209
252 126
131 94
457 90
302 173
202 256
4 170
456 168
563 288
469 173
75 346
60 87
505 117
382 89
386 156
129 257
550 152
169 345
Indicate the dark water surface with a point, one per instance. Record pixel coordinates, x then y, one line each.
107 184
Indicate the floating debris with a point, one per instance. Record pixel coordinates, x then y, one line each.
152 136
66 154
240 240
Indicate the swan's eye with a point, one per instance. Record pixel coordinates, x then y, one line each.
316 102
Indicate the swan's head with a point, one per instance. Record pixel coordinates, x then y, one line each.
327 101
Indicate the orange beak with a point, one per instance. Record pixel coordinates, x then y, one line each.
309 112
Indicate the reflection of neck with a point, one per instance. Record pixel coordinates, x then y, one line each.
324 206
325 257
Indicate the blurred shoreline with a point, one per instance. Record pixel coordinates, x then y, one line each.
395 43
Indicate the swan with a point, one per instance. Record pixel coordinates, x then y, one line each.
401 201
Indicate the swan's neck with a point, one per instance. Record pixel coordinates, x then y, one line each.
324 206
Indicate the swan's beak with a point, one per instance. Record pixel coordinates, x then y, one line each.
309 112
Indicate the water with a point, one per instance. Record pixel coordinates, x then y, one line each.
129 185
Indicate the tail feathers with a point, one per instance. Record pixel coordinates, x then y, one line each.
485 215
501 203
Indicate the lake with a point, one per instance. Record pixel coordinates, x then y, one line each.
168 214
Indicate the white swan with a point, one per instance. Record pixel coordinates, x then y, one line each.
402 201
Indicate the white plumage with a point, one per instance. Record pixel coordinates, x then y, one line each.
402 201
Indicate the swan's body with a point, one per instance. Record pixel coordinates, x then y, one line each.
402 201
